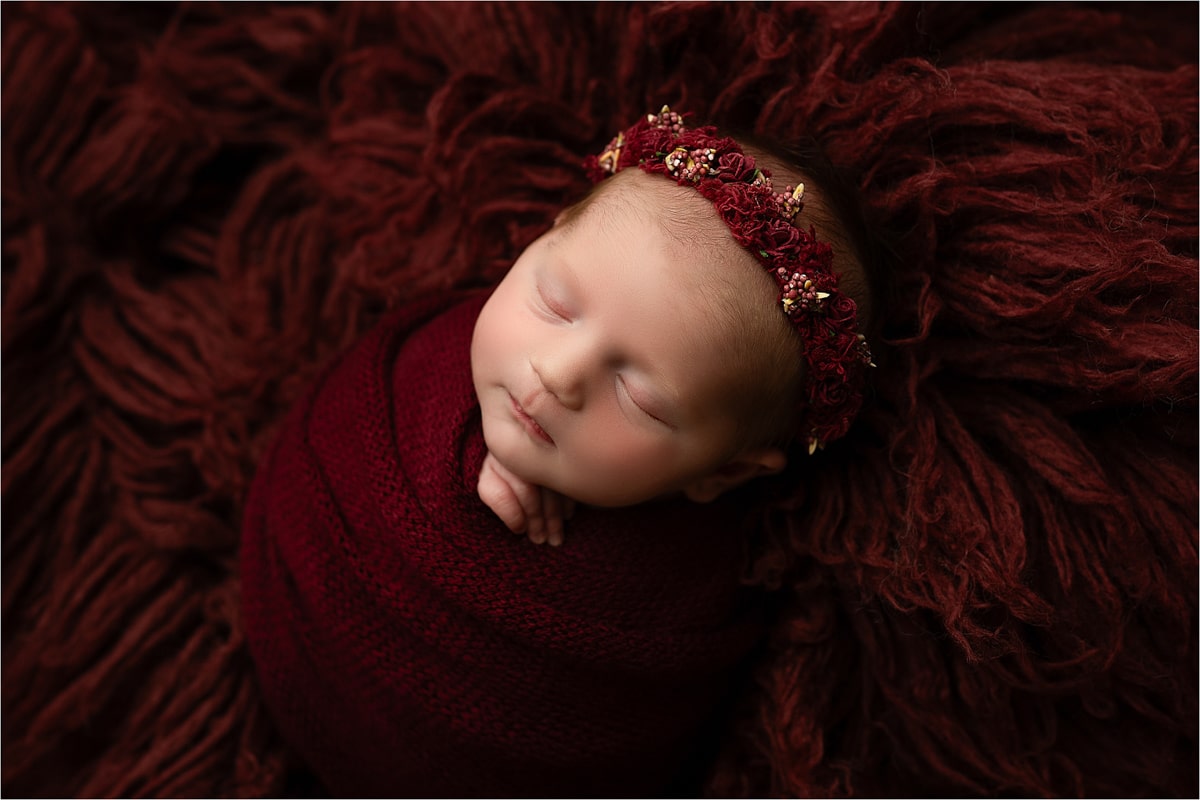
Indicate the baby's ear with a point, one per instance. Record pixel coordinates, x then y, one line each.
742 468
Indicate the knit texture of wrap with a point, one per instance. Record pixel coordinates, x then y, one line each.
408 644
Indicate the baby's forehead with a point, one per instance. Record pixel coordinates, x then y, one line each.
697 244
689 226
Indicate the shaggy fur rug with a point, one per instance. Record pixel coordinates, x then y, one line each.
990 588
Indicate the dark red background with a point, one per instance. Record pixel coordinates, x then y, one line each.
991 588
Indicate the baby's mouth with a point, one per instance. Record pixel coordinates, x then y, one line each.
530 424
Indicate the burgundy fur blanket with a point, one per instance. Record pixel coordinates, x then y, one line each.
990 588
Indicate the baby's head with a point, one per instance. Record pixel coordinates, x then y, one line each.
636 349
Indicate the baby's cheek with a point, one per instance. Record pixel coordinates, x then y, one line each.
620 452
500 322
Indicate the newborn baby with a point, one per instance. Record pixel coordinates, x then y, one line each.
662 344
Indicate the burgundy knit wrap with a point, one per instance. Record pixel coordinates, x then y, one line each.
409 644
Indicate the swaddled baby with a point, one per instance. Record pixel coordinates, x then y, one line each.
665 343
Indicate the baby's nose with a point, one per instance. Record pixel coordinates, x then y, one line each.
562 375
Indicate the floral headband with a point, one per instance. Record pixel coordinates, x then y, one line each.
835 353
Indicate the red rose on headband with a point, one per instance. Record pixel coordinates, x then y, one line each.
840 311
733 201
736 167
830 393
651 143
832 371
779 236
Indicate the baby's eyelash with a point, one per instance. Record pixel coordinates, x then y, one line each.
553 307
639 405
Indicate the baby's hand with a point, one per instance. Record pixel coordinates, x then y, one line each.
522 506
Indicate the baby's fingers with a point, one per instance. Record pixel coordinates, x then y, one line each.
530 497
537 529
523 506
500 497
553 509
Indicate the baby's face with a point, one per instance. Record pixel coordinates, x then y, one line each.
601 365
